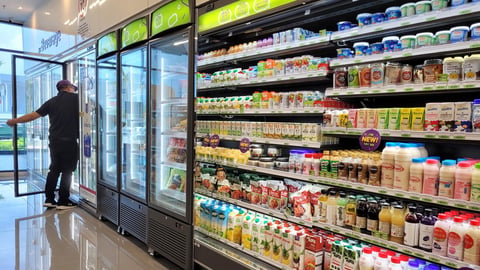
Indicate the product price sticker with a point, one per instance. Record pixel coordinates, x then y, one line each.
244 145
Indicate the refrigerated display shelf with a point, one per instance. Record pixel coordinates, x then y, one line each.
238 247
256 208
303 78
438 135
295 112
176 134
349 233
266 52
395 90
460 47
174 194
267 140
175 165
427 20
400 194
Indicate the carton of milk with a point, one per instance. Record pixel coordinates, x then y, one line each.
382 122
418 118
405 118
447 116
361 118
432 115
463 117
394 118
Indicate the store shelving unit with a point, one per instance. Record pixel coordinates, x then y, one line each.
445 18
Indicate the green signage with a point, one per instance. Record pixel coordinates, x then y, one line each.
236 11
134 32
170 15
107 43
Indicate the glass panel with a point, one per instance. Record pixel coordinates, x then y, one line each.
107 120
36 83
88 126
134 100
169 84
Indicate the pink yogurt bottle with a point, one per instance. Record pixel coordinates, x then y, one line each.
463 181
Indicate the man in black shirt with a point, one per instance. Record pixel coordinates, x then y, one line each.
62 111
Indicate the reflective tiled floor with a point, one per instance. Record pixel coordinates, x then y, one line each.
32 237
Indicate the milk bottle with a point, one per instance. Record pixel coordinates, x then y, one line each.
472 243
447 178
416 175
366 259
455 239
403 160
382 262
440 235
463 181
430 177
475 193
388 164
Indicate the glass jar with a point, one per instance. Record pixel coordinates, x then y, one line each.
273 151
281 163
266 162
418 74
253 161
431 69
256 150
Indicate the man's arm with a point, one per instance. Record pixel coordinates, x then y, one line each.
23 119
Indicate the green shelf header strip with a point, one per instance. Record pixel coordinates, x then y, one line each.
134 32
107 44
170 15
236 11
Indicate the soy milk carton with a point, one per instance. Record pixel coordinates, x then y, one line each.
447 116
361 118
418 119
382 116
394 118
463 117
372 118
405 118
432 116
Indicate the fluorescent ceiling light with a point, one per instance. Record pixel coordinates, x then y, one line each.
66 22
47 13
20 7
180 42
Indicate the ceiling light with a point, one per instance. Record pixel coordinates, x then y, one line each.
47 13
180 42
20 7
66 22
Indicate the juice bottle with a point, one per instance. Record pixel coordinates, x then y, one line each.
325 163
384 221
353 168
374 170
362 169
447 178
343 164
372 217
475 194
472 243
322 200
341 205
334 159
463 181
411 228
403 160
440 235
416 175
332 207
361 219
425 239
388 164
398 224
350 212
456 236
430 177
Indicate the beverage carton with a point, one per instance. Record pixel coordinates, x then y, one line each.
352 118
463 117
372 118
268 239
447 116
405 118
277 243
362 118
351 258
336 262
418 119
247 231
432 115
394 118
298 259
313 251
287 247
382 116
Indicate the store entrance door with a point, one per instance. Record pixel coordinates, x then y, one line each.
34 82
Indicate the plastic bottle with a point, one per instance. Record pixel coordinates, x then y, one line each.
440 235
332 207
422 149
361 219
475 193
341 206
463 181
403 160
416 175
395 264
362 169
412 225
430 177
471 253
476 115
307 163
323 208
404 261
381 263
384 221
315 169
372 217
447 178
374 170
397 229
366 259
425 237
456 236
350 212
352 169
388 164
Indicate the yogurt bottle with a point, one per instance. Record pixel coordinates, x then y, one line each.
475 193
388 164
403 160
416 175
447 178
463 181
440 235
471 253
381 263
366 259
456 236
430 177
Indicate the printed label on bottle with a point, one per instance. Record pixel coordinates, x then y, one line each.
411 234
331 214
426 236
415 184
455 249
384 227
468 242
397 231
361 222
439 235
349 219
340 216
372 225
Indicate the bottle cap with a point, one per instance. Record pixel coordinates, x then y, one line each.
404 258
395 260
418 160
464 164
391 253
442 216
475 222
449 162
432 161
477 166
458 219
413 264
367 250
383 255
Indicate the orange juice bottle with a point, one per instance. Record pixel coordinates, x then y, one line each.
385 221
398 224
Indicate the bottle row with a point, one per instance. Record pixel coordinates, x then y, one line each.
268 100
449 70
299 247
445 116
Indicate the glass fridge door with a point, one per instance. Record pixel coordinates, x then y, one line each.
107 120
169 91
134 122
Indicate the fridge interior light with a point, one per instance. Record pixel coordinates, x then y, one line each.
180 42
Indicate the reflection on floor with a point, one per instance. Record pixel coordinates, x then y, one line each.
32 237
